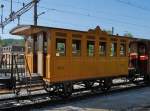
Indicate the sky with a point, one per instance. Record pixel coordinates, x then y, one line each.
131 16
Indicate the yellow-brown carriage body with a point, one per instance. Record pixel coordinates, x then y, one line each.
70 55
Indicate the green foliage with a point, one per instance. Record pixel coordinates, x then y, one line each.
128 34
108 31
5 42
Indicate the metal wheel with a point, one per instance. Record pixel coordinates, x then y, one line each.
17 91
67 90
106 84
88 84
49 87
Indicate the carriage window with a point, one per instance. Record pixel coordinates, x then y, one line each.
36 45
60 47
142 49
102 48
45 45
113 49
90 48
122 50
76 47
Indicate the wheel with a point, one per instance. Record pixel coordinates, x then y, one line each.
88 84
17 91
106 84
147 79
49 87
67 90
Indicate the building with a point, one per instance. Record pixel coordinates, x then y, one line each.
6 53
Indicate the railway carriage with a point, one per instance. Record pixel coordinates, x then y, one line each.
65 57
139 58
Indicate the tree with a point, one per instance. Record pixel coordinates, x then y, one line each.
128 34
108 31
1 42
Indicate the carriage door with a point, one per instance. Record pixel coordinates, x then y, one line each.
42 53
143 57
35 62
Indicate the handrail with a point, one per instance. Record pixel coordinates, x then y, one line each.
1 62
26 62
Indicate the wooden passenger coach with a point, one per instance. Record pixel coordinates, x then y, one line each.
70 55
90 59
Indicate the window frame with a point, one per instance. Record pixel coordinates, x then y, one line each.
29 44
115 49
65 50
80 48
105 49
125 50
90 40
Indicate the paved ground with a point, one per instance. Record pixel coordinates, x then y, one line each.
133 100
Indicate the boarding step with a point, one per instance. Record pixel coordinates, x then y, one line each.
34 77
31 86
2 86
35 86
5 91
31 83
32 89
34 81
4 80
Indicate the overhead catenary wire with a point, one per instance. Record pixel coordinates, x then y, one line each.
133 5
85 14
90 15
121 15
46 21
18 2
99 11
20 12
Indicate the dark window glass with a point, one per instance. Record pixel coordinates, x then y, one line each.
36 45
122 49
102 48
45 43
29 44
142 49
113 49
90 48
76 47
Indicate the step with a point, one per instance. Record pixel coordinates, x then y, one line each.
5 91
34 76
31 88
35 89
32 81
2 86
32 84
4 80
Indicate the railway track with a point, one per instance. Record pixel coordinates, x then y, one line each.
43 99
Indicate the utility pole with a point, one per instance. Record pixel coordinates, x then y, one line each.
11 7
35 12
19 13
2 6
112 31
18 20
